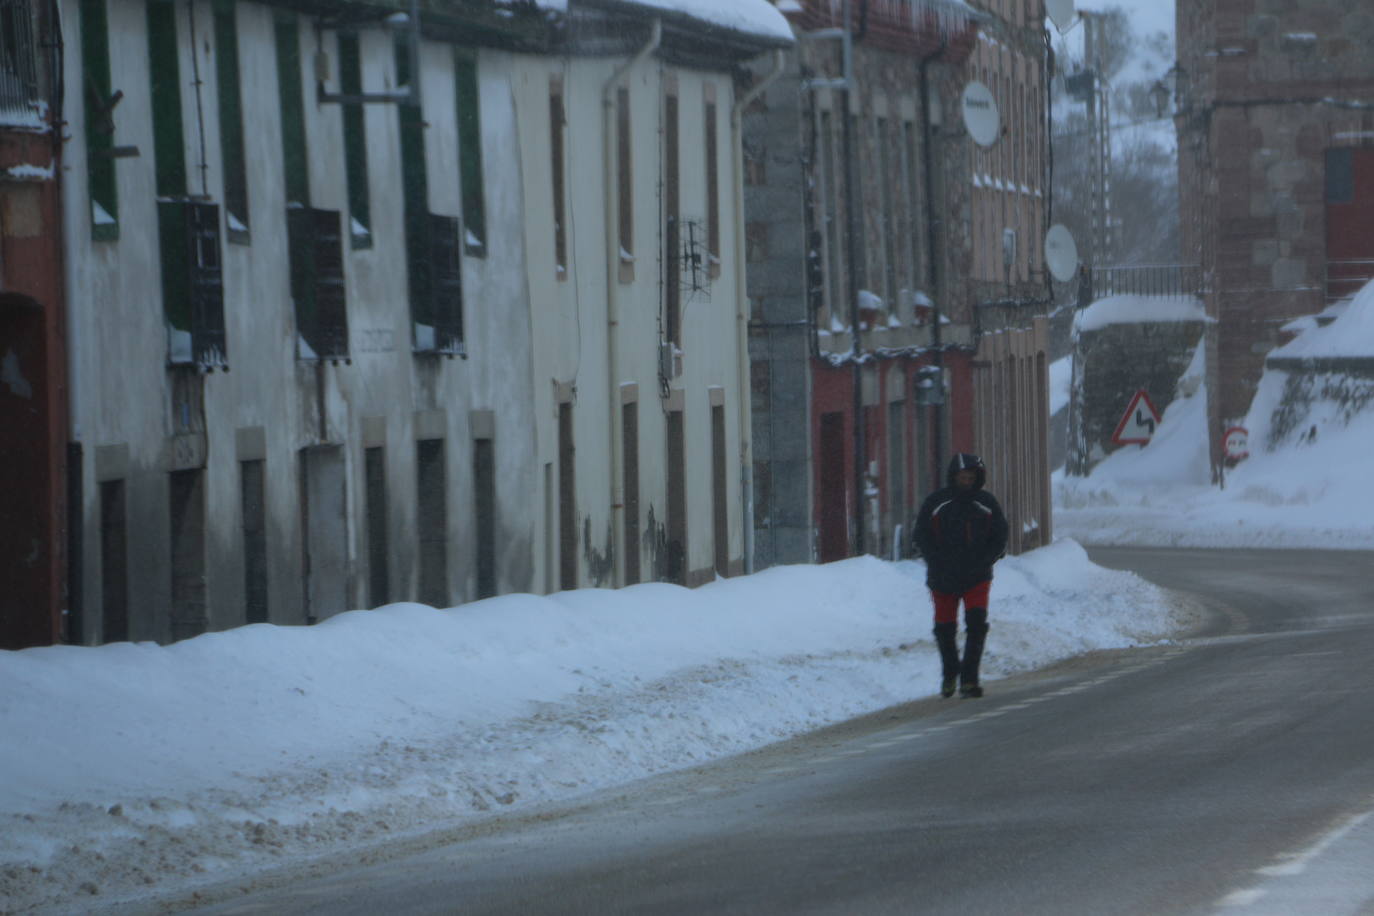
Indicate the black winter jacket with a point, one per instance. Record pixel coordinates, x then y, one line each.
960 533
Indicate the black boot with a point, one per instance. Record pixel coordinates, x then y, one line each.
975 634
947 642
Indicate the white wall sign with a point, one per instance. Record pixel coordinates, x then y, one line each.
980 114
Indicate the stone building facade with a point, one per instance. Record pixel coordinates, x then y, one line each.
869 206
1275 120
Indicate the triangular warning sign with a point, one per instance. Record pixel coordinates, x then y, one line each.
1138 423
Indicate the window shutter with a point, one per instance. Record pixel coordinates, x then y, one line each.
331 312
207 285
447 283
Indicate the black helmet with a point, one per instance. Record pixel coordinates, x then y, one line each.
966 461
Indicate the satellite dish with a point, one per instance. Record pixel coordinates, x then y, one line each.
1061 13
980 114
1061 253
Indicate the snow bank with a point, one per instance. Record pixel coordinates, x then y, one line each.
130 769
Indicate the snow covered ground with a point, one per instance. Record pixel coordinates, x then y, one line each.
134 769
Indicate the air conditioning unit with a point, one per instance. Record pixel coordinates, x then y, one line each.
669 360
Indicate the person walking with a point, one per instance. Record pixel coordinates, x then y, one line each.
961 532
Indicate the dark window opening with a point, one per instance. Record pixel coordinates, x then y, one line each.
484 499
100 101
169 147
712 191
431 495
378 543
253 501
567 501
625 184
560 232
114 563
630 438
720 507
317 283
436 271
192 283
295 161
470 154
190 605
355 143
672 229
231 122
675 550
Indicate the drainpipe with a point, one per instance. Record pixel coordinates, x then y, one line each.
742 305
611 211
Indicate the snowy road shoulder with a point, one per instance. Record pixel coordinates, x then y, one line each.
136 769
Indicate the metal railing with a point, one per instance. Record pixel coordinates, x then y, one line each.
1146 280
18 59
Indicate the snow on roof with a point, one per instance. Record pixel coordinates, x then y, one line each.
1351 334
753 17
1133 309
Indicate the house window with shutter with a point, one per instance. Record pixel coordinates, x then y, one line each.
231 122
100 102
317 283
439 327
355 143
192 283
470 154
560 232
712 184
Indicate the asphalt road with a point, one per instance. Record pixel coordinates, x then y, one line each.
1232 772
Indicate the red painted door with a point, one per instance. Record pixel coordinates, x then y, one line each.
833 501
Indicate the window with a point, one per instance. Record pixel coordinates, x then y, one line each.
672 220
378 543
438 314
355 143
470 153
484 498
720 513
295 167
431 484
567 499
100 102
889 213
18 72
712 184
190 604
168 137
629 435
231 122
625 184
253 499
192 283
317 283
560 233
114 562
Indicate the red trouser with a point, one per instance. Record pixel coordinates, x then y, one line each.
947 606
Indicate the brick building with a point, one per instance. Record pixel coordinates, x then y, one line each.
1275 119
940 266
32 328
